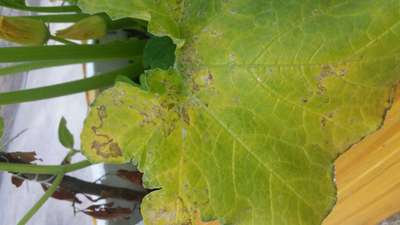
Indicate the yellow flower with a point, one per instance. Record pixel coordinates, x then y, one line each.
23 31
88 28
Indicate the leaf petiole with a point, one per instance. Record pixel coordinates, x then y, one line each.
58 18
42 200
23 67
95 82
116 50
40 169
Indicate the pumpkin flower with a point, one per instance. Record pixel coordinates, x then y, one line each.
91 27
24 31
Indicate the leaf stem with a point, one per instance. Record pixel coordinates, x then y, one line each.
58 18
42 200
76 166
40 169
23 67
95 82
115 50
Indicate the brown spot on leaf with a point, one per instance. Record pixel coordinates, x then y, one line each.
323 122
185 116
115 150
98 146
209 79
102 114
108 149
343 72
329 71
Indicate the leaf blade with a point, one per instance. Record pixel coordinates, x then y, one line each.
270 104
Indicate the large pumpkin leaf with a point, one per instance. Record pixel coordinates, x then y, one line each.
264 96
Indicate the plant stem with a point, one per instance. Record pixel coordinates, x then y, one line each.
115 50
62 40
58 18
39 169
23 67
73 87
124 23
50 9
76 166
42 200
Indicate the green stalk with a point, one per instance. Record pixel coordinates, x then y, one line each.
73 87
60 171
23 67
38 169
58 18
115 50
124 23
40 9
75 166
42 200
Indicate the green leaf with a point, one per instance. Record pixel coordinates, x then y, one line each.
64 135
159 53
163 15
264 97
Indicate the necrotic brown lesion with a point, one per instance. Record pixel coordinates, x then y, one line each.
107 148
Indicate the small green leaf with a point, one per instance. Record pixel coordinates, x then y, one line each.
64 135
159 53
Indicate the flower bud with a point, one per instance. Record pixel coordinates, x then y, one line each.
23 31
91 27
